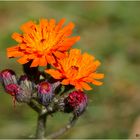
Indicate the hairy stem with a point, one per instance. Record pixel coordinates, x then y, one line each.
41 126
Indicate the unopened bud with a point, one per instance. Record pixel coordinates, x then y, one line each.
76 102
25 82
22 91
7 77
45 92
26 89
12 89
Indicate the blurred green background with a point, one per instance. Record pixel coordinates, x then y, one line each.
108 30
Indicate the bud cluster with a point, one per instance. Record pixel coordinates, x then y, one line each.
23 90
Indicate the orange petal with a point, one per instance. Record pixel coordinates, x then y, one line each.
50 59
98 83
31 56
65 82
59 54
54 73
68 43
87 79
87 56
23 46
97 63
14 54
74 52
85 86
13 51
43 61
18 37
43 23
14 48
35 62
67 28
52 24
97 75
27 26
59 25
23 59
78 86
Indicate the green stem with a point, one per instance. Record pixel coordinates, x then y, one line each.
41 126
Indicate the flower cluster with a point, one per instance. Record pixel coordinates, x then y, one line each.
48 44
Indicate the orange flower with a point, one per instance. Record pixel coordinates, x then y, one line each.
77 69
43 42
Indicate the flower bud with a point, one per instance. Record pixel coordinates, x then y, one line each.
76 102
26 89
7 77
25 82
46 91
12 89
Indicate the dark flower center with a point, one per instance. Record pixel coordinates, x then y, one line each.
74 67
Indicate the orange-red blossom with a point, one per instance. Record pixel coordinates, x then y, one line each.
42 43
78 70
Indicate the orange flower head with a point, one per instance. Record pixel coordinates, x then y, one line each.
42 43
77 69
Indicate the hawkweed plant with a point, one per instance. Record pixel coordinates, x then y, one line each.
67 73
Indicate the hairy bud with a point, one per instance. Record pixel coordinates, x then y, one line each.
46 92
12 89
76 102
26 89
7 77
22 92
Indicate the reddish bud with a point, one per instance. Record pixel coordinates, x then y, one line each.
7 77
12 89
21 92
76 102
46 91
44 87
